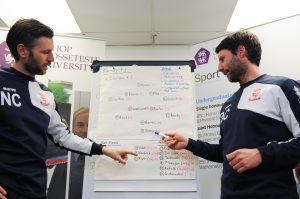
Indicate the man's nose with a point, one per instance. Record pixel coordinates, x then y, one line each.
51 57
85 129
220 67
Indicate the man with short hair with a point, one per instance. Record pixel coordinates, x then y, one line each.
29 114
259 126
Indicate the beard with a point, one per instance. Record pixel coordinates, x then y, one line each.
237 70
32 66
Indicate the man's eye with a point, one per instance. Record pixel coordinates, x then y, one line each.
80 125
47 52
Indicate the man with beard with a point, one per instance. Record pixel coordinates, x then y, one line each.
259 126
29 114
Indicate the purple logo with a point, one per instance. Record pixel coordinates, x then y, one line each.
202 56
6 58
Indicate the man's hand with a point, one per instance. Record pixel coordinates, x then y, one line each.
117 153
175 140
244 159
2 193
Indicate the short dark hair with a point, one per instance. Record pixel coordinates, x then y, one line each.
243 37
26 31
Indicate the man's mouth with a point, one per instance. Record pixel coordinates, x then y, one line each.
45 67
225 72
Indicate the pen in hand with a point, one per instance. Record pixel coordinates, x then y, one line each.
161 134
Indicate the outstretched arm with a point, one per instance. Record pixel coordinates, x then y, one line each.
212 152
117 153
175 140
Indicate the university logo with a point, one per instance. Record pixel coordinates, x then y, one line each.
202 56
6 58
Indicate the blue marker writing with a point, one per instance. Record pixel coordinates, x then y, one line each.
160 134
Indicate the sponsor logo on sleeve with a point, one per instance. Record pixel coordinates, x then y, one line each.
255 95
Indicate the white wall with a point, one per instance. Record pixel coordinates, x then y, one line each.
170 52
280 47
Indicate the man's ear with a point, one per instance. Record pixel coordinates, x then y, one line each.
241 51
22 51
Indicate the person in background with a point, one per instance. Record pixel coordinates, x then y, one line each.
80 122
259 126
29 114
80 126
57 185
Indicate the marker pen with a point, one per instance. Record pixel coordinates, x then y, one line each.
160 134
